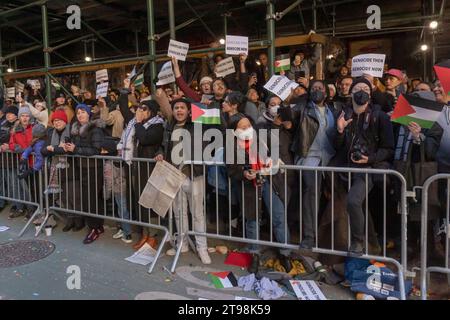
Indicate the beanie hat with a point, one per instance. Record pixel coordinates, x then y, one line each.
361 80
39 131
24 110
60 115
206 79
11 109
84 107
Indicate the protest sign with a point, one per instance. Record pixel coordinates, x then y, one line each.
166 76
236 45
371 64
225 67
161 188
102 90
178 50
34 84
19 86
101 75
307 290
11 92
280 86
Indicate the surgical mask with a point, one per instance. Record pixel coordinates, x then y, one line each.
361 97
317 96
246 134
273 110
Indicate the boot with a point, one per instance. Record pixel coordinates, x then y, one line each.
152 242
140 243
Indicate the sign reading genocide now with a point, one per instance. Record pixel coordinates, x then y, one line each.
225 67
19 86
371 64
236 45
101 75
166 76
11 92
280 86
178 50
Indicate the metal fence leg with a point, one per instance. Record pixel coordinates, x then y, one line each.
177 255
36 212
158 252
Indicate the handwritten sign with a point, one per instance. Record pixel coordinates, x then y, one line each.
102 90
280 86
225 67
166 76
236 45
178 50
371 64
101 75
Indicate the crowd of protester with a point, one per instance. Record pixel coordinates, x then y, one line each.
337 122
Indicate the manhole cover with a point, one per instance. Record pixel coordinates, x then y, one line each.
18 253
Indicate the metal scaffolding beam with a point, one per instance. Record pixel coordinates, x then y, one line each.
48 92
32 4
151 42
271 35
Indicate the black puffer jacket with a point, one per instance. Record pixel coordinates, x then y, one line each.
88 141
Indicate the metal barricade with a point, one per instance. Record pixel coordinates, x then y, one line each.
278 213
87 186
26 192
425 270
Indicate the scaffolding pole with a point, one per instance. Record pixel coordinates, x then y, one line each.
48 92
1 67
151 43
271 35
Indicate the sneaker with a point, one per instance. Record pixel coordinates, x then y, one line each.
173 251
204 256
16 213
92 236
119 234
127 238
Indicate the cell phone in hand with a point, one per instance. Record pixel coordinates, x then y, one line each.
67 140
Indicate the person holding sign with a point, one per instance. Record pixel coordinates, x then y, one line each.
205 84
179 136
364 139
313 147
301 63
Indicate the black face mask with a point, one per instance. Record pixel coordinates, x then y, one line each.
361 97
317 96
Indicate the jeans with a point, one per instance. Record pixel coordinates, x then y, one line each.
191 193
280 229
121 202
18 190
311 200
355 200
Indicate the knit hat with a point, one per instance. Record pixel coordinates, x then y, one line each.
84 107
39 131
11 109
361 80
60 115
206 79
60 94
24 110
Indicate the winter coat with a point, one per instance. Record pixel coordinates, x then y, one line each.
40 116
35 150
20 138
114 119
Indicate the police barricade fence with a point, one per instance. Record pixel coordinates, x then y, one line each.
440 184
103 188
22 186
285 227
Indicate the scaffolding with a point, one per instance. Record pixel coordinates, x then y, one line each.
49 71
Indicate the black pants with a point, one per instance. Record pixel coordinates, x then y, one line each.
355 200
311 202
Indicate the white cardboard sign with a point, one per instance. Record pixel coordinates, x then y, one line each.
102 90
307 290
101 75
280 86
371 64
225 67
166 76
236 45
178 50
34 84
11 92
19 86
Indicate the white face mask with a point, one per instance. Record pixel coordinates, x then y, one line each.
246 134
274 110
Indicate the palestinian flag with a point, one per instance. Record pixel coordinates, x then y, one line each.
139 81
222 280
443 74
201 114
282 62
411 108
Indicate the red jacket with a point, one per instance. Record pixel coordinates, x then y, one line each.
20 139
